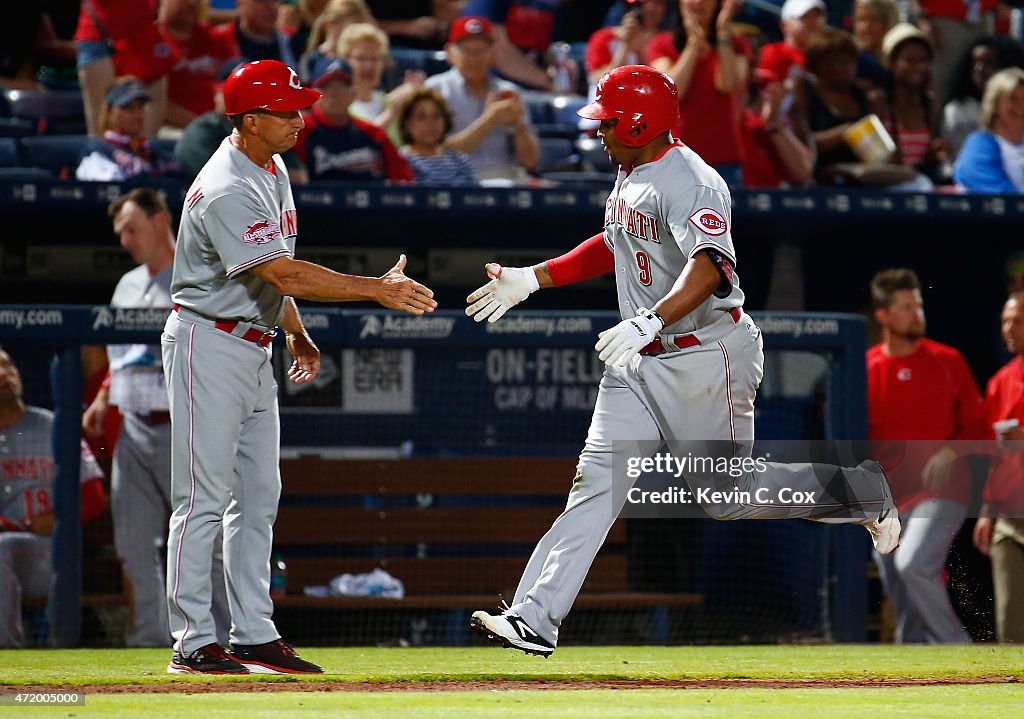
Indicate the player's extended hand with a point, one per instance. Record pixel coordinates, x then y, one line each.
508 287
938 469
399 292
306 357
619 344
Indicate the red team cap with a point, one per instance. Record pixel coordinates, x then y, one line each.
266 85
644 100
470 26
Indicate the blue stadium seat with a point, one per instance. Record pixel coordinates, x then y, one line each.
539 105
54 112
24 173
429 61
163 145
564 108
56 153
557 153
13 127
603 180
8 152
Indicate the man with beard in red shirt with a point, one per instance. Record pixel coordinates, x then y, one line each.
921 399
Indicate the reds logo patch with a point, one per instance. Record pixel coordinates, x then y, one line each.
261 233
709 222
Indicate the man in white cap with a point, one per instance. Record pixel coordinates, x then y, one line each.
800 20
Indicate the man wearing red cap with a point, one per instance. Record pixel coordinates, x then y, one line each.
233 284
491 124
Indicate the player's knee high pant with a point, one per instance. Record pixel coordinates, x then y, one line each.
561 560
555 572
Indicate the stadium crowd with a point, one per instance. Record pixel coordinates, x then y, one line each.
909 95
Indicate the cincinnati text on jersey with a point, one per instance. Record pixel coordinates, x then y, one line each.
632 221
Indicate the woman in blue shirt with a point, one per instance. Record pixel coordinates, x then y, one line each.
992 158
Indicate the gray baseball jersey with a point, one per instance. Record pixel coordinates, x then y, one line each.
136 371
237 216
225 431
658 217
26 490
27 467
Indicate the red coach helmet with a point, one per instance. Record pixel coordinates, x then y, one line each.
266 85
645 101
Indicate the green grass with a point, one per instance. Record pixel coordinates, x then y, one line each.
116 666
915 702
142 666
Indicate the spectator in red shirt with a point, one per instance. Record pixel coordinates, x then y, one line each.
999 531
800 20
625 43
116 38
200 52
773 156
522 31
920 390
710 67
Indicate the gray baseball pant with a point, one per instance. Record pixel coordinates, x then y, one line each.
703 392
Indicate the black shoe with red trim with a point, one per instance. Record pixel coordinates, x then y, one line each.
276 657
211 659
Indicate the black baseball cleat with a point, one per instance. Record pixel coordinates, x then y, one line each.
276 657
211 659
509 630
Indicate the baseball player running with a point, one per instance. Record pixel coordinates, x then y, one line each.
683 364
233 282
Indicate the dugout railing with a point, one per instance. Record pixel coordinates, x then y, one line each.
440 400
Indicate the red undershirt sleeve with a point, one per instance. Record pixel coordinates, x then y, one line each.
588 259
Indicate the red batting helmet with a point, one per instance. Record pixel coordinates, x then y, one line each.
266 85
645 101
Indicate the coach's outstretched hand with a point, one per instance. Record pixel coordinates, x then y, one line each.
399 292
508 287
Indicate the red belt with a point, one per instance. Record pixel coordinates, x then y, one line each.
251 335
666 342
155 419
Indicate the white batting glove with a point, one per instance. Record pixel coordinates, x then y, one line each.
508 287
619 344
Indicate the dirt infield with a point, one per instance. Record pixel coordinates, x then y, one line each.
297 685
